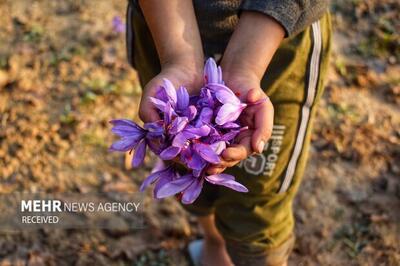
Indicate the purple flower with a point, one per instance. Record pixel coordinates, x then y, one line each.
174 186
206 99
132 137
190 133
193 129
118 25
212 73
227 181
161 175
232 107
189 185
206 152
192 192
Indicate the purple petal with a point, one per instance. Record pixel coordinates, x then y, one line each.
170 91
198 131
126 128
178 125
158 103
230 135
190 112
194 161
230 125
118 25
175 186
158 166
228 113
154 129
219 178
182 98
161 94
151 179
225 95
168 112
227 181
124 122
180 140
207 153
206 99
218 147
205 117
211 73
124 144
220 81
170 153
196 173
159 170
193 191
164 179
140 152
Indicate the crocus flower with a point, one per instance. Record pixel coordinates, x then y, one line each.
161 175
212 73
227 181
118 25
232 107
132 137
193 130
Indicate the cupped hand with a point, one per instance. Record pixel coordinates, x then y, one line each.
179 75
258 116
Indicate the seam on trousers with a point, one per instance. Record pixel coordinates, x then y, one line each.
129 34
314 68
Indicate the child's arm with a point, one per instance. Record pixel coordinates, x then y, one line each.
176 36
252 45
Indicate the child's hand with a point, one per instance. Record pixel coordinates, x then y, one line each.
258 117
179 75
245 61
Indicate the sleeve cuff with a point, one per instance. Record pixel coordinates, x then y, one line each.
285 12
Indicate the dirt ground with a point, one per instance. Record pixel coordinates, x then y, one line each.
63 76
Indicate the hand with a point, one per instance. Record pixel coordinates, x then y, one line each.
178 74
257 117
176 36
245 60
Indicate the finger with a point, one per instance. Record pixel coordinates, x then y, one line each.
238 152
255 95
148 113
213 170
230 164
263 120
224 164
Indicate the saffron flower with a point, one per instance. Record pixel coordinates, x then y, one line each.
194 131
117 24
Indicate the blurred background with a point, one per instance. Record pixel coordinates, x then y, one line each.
64 75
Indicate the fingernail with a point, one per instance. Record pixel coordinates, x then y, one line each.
260 146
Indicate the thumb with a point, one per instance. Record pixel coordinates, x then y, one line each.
148 113
254 95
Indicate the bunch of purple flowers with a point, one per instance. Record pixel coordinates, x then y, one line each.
194 130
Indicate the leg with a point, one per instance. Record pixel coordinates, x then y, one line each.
258 226
214 250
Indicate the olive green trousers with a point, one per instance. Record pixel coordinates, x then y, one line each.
258 225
